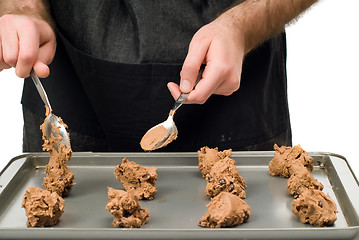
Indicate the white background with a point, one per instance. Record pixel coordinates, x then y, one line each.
323 79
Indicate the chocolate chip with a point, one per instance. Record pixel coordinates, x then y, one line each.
120 171
115 208
231 187
146 176
327 224
133 182
60 179
246 215
67 190
126 214
120 223
222 181
320 204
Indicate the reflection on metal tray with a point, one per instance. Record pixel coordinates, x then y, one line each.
180 201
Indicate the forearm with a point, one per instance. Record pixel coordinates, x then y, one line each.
33 8
258 20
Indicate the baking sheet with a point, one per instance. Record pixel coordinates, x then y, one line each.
180 201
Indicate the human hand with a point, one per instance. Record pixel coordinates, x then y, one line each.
25 43
220 47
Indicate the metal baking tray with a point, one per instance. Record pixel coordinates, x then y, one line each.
180 201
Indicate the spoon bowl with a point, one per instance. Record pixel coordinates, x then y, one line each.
160 135
164 133
53 124
54 127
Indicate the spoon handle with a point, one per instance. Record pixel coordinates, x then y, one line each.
40 89
182 98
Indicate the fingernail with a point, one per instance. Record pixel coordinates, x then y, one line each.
185 86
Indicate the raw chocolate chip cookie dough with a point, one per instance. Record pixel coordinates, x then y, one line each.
225 210
58 178
157 137
287 158
311 204
135 177
301 180
226 188
42 207
316 208
126 209
207 157
224 177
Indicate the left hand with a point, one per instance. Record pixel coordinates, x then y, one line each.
220 46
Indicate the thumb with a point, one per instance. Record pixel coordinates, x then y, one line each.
185 86
41 69
195 57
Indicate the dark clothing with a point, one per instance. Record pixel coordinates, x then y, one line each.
134 31
83 142
110 93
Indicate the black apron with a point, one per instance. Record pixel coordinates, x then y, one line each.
120 102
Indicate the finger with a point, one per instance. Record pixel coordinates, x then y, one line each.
28 50
195 57
174 90
212 78
229 86
3 65
45 57
46 33
41 69
10 46
47 52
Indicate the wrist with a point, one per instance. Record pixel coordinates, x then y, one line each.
259 20
38 9
233 22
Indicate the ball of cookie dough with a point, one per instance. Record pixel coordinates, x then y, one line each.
287 157
207 157
42 207
224 177
58 179
135 177
225 210
316 208
300 181
126 209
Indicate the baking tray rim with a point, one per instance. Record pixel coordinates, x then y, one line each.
235 229
161 154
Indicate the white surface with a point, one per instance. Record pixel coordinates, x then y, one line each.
323 79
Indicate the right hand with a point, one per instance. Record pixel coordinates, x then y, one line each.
25 43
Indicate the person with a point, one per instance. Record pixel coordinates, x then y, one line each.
117 66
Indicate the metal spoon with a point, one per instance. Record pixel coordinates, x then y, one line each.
53 126
164 133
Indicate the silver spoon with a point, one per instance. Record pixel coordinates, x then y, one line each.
164 133
52 124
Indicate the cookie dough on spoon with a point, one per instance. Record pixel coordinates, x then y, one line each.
166 132
58 178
